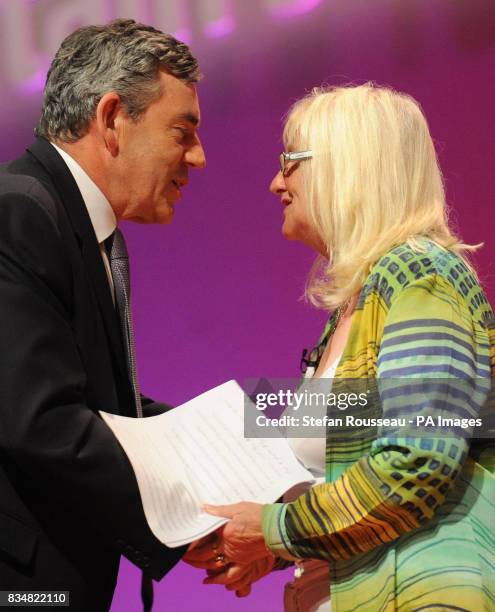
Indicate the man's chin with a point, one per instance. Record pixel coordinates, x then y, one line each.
165 215
162 214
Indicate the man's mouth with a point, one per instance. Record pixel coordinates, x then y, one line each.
180 182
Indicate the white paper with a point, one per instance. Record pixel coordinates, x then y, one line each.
197 454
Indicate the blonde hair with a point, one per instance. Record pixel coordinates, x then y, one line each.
373 182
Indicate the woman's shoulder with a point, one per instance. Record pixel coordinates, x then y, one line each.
405 265
408 263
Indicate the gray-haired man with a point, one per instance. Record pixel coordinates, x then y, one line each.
116 139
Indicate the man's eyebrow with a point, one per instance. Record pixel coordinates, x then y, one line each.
190 117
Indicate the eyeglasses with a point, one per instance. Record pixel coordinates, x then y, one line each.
286 158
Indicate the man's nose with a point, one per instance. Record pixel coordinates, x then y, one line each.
195 156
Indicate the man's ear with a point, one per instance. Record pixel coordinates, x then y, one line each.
109 126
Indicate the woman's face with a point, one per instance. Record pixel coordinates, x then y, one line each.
289 187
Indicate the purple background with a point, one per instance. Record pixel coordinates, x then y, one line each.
217 294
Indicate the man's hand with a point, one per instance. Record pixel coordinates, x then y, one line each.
202 552
239 578
206 553
242 537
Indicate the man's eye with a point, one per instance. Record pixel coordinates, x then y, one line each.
183 131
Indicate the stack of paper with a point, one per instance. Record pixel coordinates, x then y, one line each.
197 454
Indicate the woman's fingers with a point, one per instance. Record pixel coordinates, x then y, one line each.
224 511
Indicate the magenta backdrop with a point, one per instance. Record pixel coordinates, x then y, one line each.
217 294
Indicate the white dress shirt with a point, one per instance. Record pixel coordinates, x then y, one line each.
99 209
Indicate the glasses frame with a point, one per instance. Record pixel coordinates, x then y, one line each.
292 156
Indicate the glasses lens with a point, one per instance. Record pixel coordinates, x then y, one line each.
281 161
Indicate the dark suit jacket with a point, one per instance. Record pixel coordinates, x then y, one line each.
69 501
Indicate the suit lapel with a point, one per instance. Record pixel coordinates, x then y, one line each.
77 213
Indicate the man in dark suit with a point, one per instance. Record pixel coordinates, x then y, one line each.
116 139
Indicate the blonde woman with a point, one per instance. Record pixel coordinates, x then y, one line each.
404 523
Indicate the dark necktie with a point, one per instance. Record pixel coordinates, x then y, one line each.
119 264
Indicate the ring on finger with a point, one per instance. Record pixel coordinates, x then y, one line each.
220 560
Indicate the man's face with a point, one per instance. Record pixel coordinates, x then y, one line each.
156 152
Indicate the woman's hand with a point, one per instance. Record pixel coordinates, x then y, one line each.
242 537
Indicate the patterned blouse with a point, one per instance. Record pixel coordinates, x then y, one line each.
406 522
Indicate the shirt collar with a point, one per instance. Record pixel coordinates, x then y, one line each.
100 211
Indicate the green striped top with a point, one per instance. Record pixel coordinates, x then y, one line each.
421 319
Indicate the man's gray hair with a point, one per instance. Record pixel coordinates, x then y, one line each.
122 56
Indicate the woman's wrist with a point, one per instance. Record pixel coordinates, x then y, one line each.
273 527
282 564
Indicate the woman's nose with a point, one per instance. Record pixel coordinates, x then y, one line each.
278 184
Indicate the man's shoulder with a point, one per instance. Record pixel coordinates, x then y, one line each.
31 230
15 181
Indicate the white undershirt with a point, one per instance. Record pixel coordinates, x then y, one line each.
311 451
